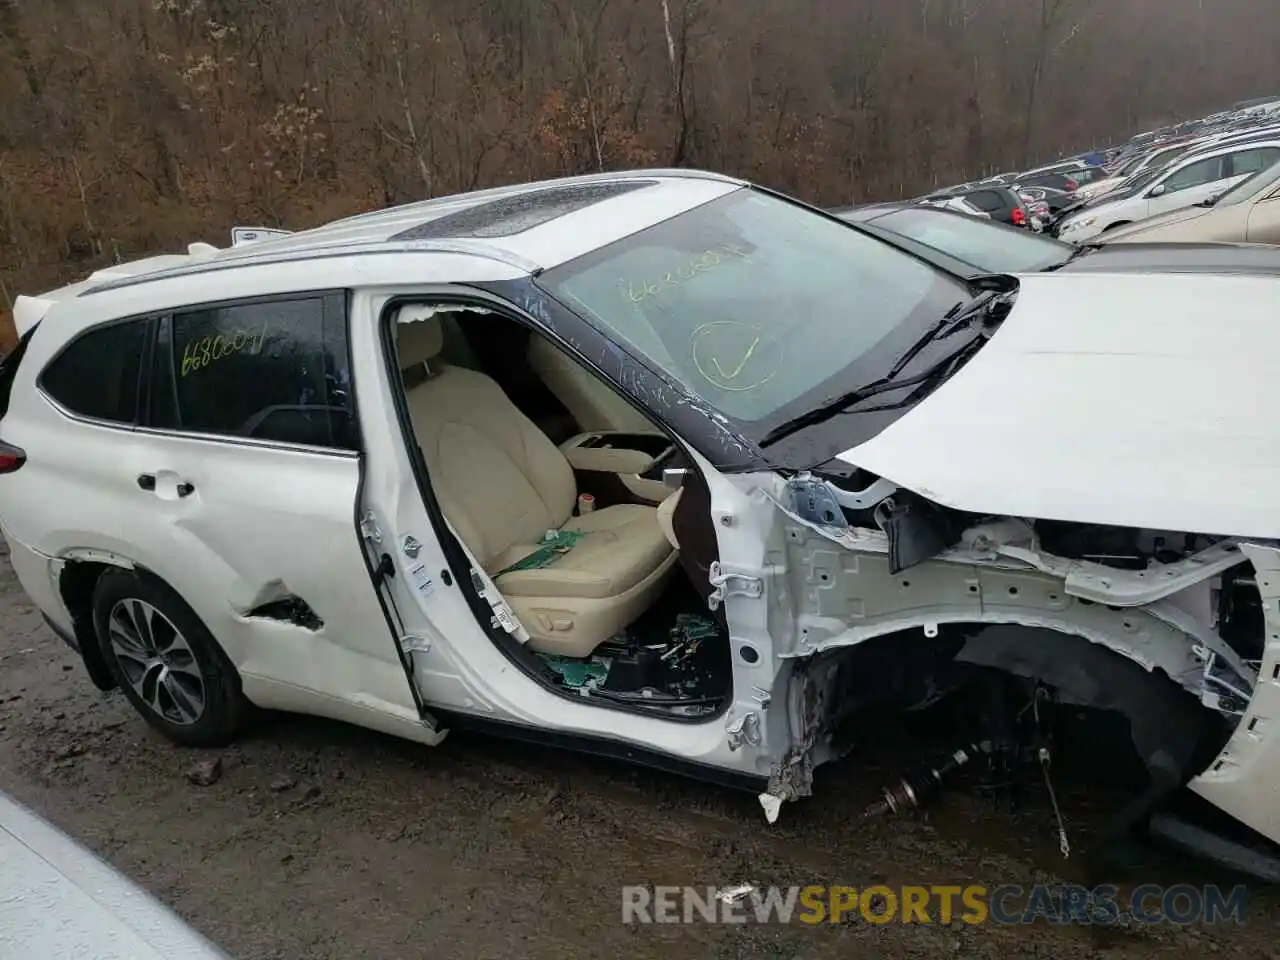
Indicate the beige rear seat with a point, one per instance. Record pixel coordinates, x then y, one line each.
503 484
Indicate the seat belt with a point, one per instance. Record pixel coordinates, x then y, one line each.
554 545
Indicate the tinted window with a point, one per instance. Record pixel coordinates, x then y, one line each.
990 246
272 371
97 375
1251 186
1195 175
988 200
1251 161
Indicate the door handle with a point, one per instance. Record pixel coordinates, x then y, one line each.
183 488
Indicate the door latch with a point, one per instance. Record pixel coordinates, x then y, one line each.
731 584
744 730
412 643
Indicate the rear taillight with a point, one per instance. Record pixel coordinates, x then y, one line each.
11 457
1019 217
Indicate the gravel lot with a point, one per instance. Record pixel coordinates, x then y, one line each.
319 840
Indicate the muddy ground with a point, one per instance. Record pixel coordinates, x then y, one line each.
323 841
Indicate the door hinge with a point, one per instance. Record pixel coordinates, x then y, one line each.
731 584
744 730
369 528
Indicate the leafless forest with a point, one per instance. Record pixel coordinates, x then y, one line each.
132 125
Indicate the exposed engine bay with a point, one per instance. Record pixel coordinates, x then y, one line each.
904 604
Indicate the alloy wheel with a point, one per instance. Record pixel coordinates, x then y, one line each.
157 661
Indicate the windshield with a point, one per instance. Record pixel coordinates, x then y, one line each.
989 246
757 305
1247 187
1127 167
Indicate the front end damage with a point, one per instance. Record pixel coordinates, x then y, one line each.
895 597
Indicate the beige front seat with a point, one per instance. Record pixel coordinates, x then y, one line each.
591 403
503 485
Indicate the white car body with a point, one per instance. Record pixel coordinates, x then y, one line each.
412 634
1187 181
959 205
58 899
1154 159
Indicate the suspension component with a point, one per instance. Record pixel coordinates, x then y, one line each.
914 790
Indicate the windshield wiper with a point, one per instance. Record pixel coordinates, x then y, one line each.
1081 250
958 317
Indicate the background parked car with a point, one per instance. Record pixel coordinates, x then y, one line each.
1191 180
1055 200
1002 204
958 205
959 244
1247 213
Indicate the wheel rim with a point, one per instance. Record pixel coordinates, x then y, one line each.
156 661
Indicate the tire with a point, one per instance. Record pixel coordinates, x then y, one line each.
177 677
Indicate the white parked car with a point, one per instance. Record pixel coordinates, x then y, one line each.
1133 168
959 205
1190 180
665 466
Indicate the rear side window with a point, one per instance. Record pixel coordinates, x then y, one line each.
98 374
1251 161
988 200
274 370
1195 174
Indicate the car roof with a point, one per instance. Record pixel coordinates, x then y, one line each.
515 230
1221 149
539 225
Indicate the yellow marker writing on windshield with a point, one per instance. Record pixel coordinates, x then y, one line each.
704 262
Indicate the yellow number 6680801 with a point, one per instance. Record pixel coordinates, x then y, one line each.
198 354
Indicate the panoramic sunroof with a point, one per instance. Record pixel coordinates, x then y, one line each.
512 215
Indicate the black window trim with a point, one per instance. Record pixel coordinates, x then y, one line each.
154 318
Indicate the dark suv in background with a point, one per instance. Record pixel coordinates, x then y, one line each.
1003 204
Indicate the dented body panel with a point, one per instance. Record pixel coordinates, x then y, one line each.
263 524
1137 400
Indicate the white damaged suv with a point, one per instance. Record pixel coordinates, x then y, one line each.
662 465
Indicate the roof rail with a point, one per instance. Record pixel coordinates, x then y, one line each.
325 252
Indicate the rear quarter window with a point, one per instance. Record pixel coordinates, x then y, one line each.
989 200
97 375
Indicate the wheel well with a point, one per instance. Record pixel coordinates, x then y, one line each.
1169 726
76 584
1117 225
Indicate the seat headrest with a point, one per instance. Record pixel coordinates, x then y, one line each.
417 340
